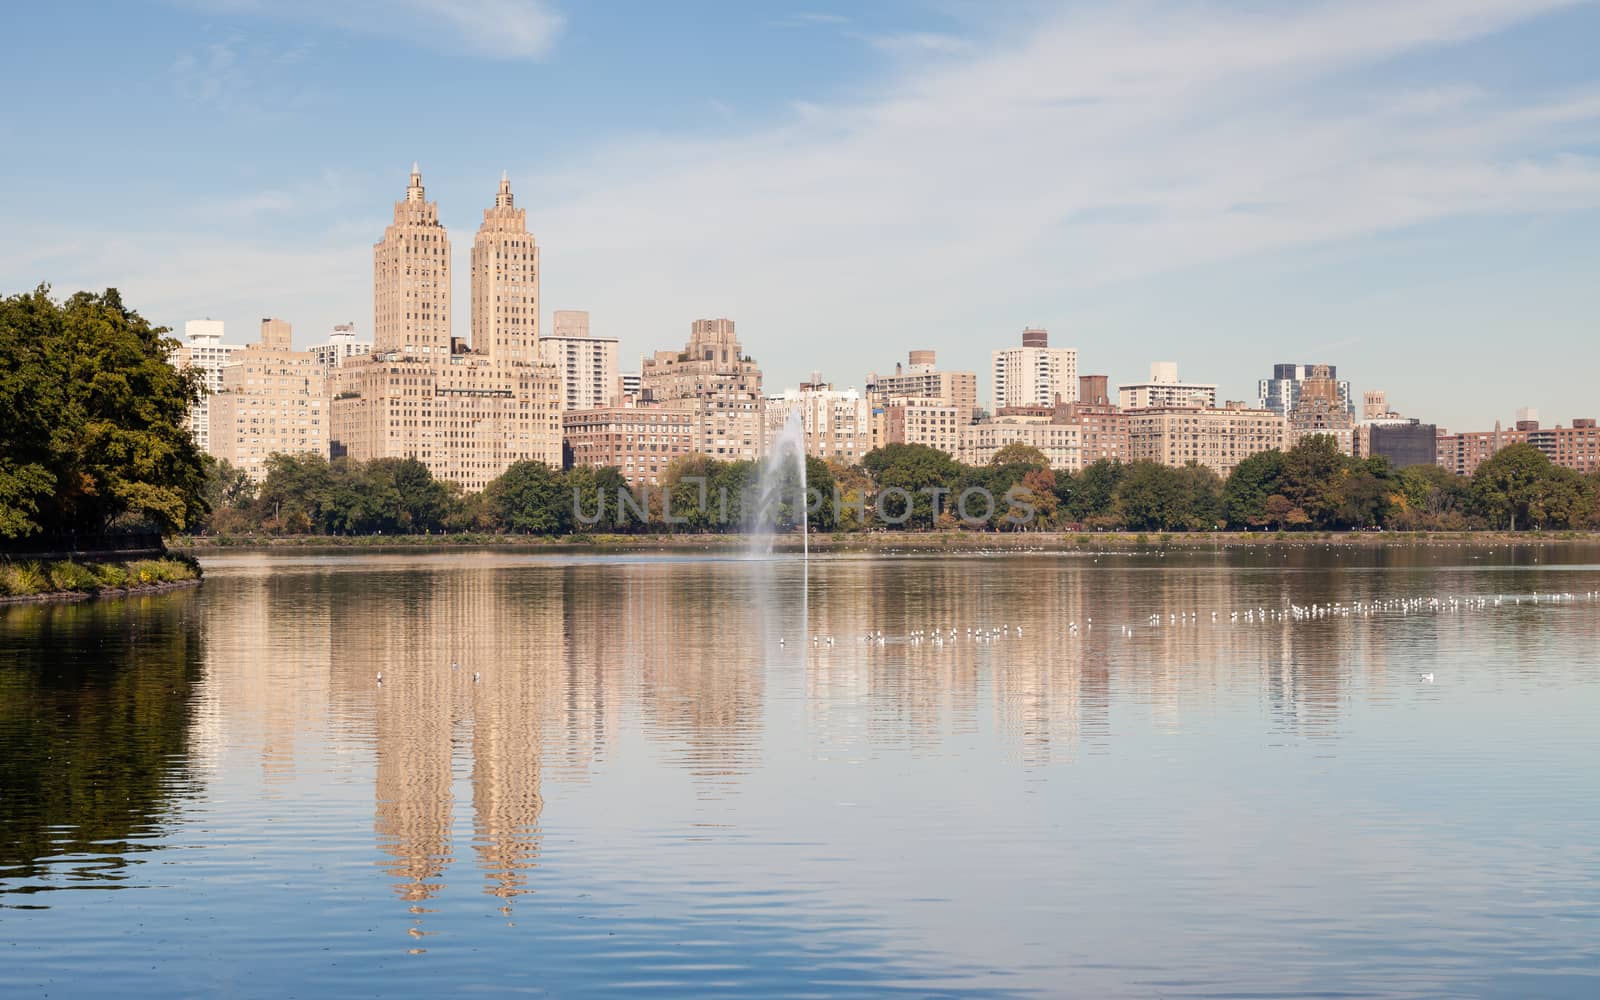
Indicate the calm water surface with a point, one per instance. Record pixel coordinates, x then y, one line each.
660 776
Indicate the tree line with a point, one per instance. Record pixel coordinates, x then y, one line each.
1312 486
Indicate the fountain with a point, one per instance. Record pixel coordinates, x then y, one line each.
783 472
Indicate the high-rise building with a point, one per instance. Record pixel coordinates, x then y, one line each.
1034 374
1402 442
923 385
505 283
1164 390
1103 428
202 349
272 401
1281 392
836 422
341 344
587 365
1060 443
467 412
1375 405
934 422
1321 407
725 385
1576 447
1217 438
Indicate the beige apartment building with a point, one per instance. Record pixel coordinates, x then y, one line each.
723 384
936 423
638 441
1062 444
587 364
1103 427
1320 409
202 349
922 379
466 411
1217 438
1576 447
1165 389
271 401
836 422
1034 374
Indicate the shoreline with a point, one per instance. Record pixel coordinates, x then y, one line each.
881 542
107 593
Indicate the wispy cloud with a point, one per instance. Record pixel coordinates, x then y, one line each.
503 29
808 18
977 182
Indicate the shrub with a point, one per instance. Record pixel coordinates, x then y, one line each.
24 579
110 574
73 577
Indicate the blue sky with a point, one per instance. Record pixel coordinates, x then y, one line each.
1409 191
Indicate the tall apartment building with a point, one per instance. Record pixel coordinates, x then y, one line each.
1402 442
1321 407
1281 392
1034 374
202 348
272 401
587 365
1217 438
1102 427
724 384
1576 447
340 345
639 441
1061 444
467 412
837 422
1164 389
936 423
922 379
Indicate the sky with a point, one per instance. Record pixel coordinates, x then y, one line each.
1408 191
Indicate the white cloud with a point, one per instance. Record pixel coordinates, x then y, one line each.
502 29
1097 148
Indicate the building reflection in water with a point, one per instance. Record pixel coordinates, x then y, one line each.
553 659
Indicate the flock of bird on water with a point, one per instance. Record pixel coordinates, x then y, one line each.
1404 606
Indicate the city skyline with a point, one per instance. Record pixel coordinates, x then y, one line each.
1410 209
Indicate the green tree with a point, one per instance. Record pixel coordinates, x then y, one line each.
921 471
93 417
530 498
1251 484
1020 453
1510 488
1151 497
1092 492
1313 471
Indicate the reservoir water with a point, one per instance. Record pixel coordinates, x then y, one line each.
922 776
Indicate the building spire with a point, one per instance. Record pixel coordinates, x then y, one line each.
503 199
414 190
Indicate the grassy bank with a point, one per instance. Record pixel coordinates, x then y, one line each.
883 541
65 579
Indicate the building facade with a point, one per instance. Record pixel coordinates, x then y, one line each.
1034 374
340 346
1576 447
272 401
1061 444
1322 408
836 422
587 365
1102 427
1281 392
467 412
1402 442
934 422
1165 390
922 379
202 349
1217 438
723 385
638 441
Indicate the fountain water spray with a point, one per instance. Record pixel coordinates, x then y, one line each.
782 471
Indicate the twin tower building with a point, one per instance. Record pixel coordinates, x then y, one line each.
467 410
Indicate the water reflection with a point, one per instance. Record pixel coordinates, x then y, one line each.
726 764
95 717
